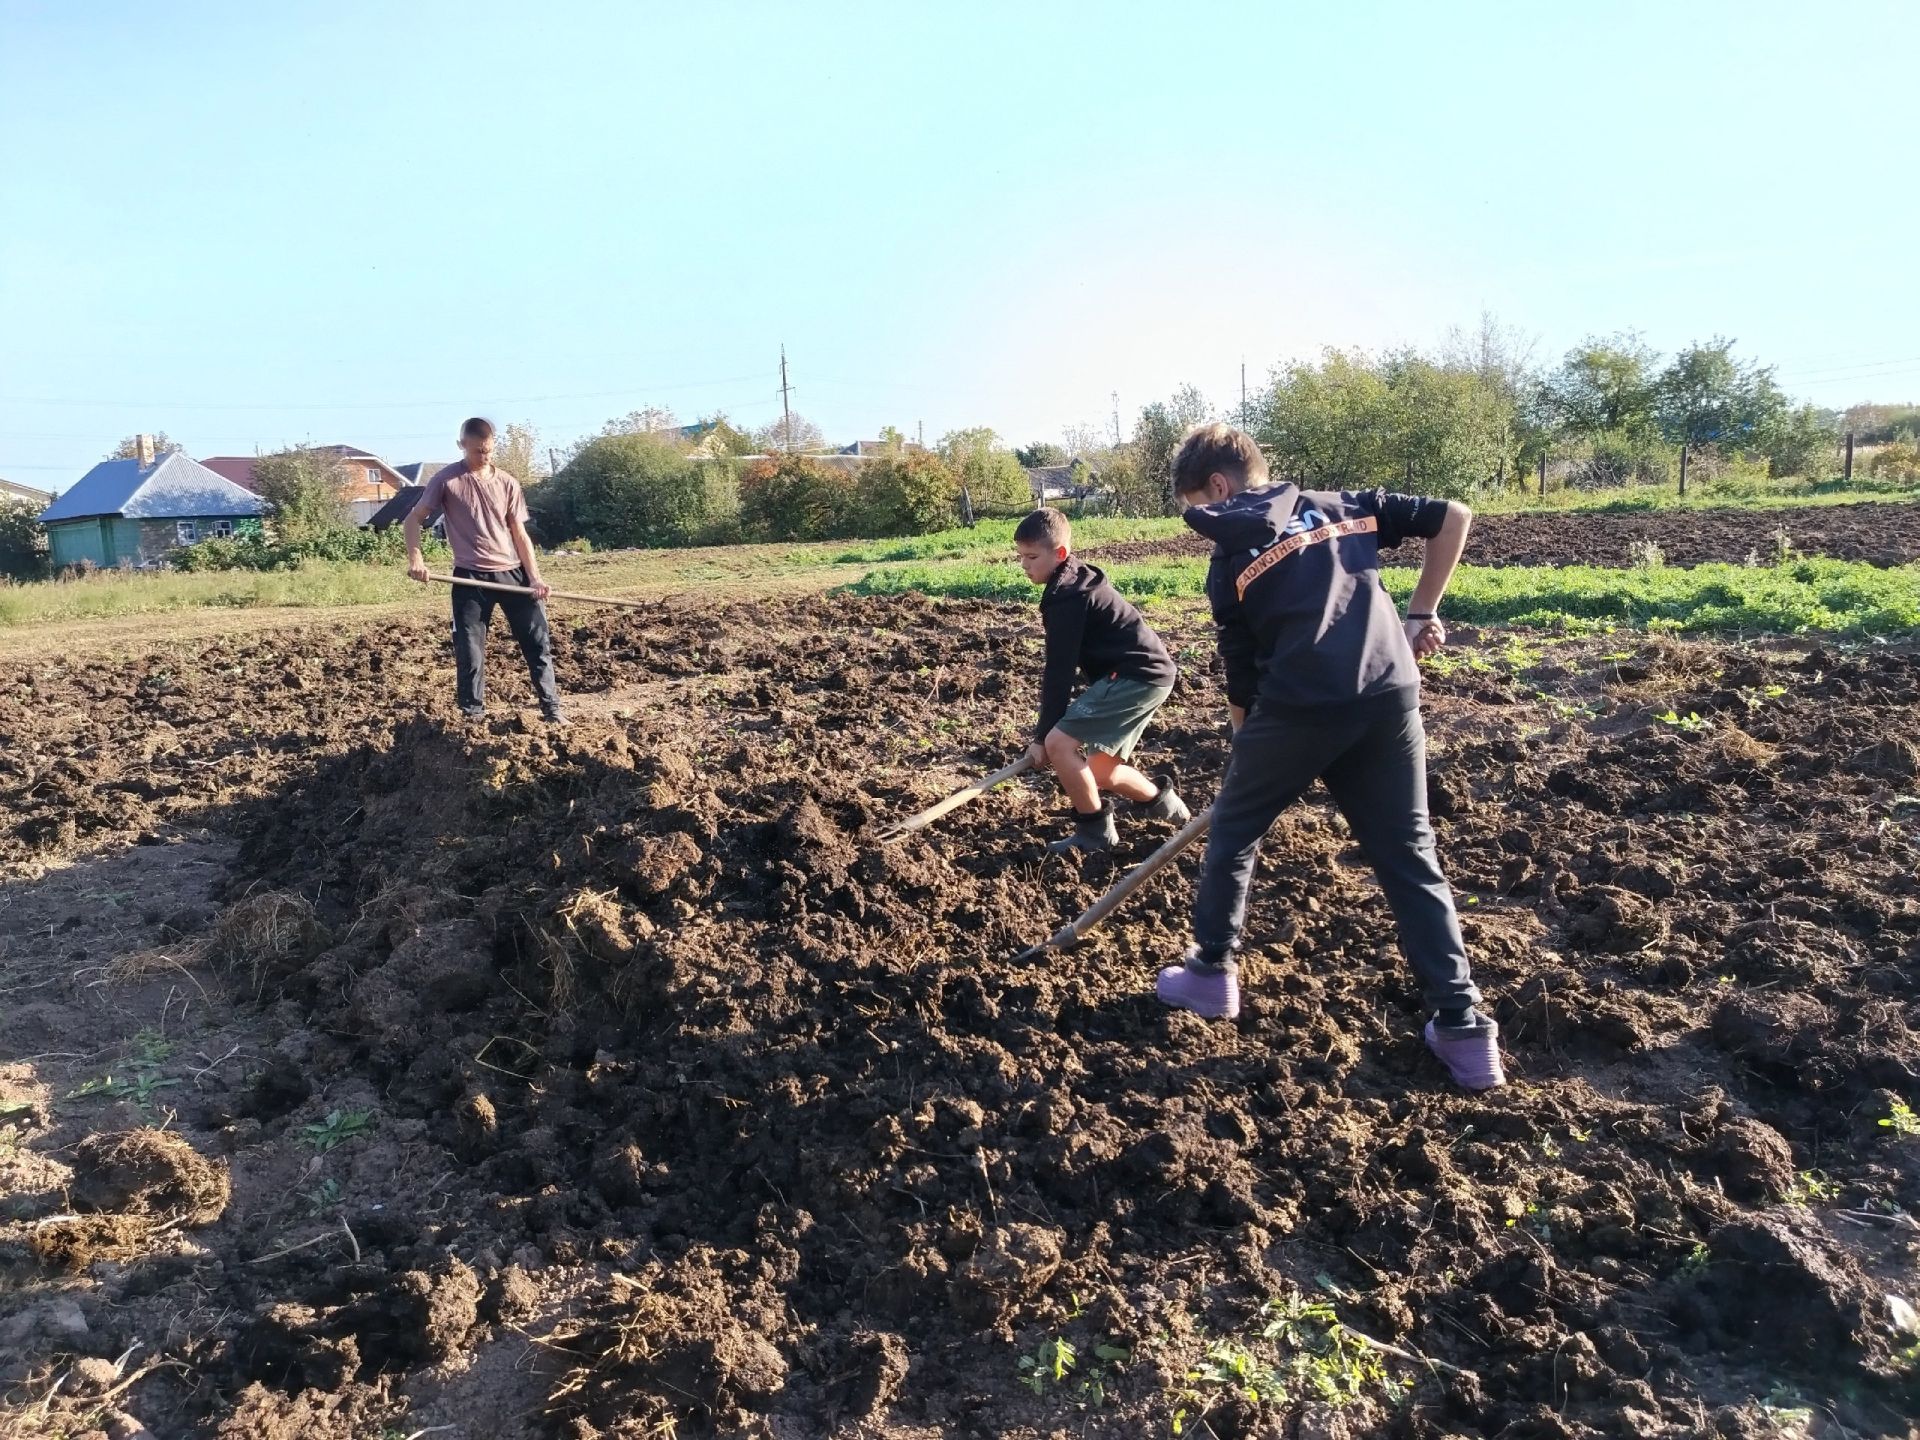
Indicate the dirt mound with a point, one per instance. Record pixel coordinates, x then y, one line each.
149 1172
1880 534
626 1040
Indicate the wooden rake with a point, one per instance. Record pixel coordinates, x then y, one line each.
1075 930
926 817
551 594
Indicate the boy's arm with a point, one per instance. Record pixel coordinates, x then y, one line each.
416 518
1065 621
1425 632
523 543
1235 640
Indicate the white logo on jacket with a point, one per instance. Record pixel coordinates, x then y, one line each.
1307 519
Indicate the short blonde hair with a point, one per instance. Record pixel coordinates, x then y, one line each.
1216 449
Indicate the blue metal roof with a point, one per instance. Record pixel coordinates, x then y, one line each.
177 487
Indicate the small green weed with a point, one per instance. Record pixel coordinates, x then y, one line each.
1810 1186
339 1127
1051 1362
87 1089
1697 1259
1901 1120
1692 722
323 1197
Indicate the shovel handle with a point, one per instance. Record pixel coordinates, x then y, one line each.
954 801
1072 933
552 594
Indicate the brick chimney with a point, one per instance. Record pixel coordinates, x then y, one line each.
144 444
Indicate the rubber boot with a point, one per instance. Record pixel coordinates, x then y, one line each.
1470 1052
1092 833
1210 990
1167 805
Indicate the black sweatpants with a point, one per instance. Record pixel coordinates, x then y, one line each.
1375 767
526 616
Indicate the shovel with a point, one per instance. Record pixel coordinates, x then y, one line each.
954 801
551 594
1074 931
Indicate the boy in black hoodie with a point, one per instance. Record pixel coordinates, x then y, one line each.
1323 683
1091 631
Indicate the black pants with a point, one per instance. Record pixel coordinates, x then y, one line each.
526 616
1375 767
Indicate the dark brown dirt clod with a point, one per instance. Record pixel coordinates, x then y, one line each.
149 1172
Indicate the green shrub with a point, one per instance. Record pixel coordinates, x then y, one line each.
910 493
794 498
633 491
23 542
1612 459
1898 461
253 551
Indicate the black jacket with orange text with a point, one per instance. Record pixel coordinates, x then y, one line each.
1304 622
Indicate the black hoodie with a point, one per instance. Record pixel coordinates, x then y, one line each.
1093 631
1304 621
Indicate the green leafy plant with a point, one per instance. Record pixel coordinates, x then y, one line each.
1692 722
1810 1186
323 1197
1049 1364
339 1127
1901 1120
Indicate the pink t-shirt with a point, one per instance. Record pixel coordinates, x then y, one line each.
480 506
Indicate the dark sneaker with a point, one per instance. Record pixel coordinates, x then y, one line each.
554 718
472 715
1471 1053
1167 805
1093 833
1210 994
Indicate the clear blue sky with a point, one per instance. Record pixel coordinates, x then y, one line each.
248 224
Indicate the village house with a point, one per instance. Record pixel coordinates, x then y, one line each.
132 512
370 482
9 490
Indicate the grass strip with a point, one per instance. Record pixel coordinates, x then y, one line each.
1837 596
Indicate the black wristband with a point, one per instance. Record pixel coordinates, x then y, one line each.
1429 615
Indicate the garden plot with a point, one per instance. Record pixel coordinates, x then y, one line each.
374 1075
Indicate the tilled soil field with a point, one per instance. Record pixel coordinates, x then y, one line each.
1880 534
371 1075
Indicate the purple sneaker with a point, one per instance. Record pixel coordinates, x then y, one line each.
1470 1053
1213 996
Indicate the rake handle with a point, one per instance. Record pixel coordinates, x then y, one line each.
959 797
1076 929
551 593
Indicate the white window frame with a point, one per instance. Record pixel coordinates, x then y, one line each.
185 532
373 475
223 529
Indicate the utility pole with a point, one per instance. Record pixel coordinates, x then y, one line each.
786 410
921 427
553 465
1848 477
1243 394
1116 417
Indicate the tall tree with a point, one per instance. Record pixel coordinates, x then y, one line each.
1041 453
1706 397
795 433
307 489
1156 435
516 450
1605 384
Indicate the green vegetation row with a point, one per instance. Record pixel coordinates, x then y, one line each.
1836 596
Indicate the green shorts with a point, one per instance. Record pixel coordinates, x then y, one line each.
1111 713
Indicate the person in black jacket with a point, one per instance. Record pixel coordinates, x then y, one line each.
1091 631
1323 683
